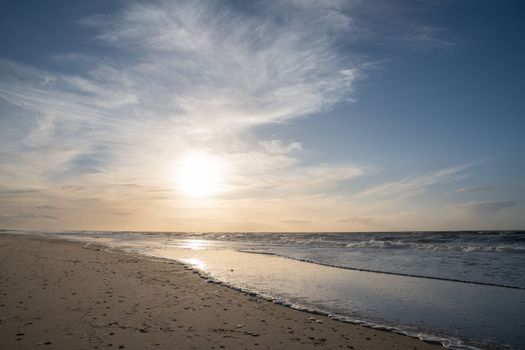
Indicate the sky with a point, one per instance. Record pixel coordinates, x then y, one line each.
292 115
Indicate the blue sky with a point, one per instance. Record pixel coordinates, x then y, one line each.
312 115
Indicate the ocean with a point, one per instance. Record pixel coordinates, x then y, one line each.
465 290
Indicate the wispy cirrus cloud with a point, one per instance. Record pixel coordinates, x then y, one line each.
189 73
475 189
102 138
401 24
217 64
484 208
414 185
427 38
175 76
26 216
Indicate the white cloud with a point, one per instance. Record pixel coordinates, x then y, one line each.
191 68
274 171
216 65
427 38
415 185
280 146
484 208
475 189
176 76
101 142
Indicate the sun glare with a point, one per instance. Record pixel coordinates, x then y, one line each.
195 244
199 175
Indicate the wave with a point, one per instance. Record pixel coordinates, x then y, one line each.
482 241
497 242
383 272
436 245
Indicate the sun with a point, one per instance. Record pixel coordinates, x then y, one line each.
199 174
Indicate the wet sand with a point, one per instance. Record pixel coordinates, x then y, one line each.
58 295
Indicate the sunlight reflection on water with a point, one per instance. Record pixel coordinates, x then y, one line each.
195 244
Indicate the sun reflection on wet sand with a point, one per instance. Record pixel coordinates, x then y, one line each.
194 262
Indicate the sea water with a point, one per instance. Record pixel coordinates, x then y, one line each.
463 289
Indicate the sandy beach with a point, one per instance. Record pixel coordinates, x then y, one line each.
59 295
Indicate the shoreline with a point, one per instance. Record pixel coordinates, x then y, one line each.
390 273
59 294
